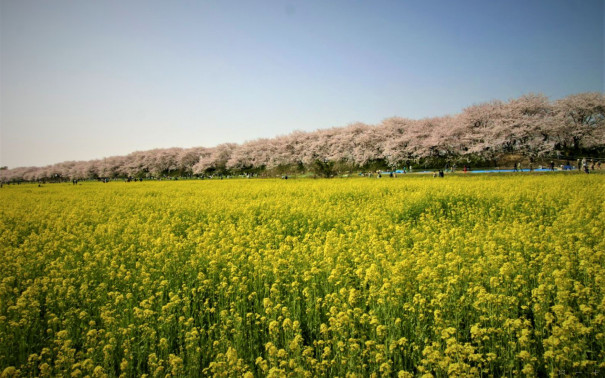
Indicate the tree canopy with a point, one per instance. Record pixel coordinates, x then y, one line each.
530 125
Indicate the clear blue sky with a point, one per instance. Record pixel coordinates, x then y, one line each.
88 79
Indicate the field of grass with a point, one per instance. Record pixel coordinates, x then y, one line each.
478 275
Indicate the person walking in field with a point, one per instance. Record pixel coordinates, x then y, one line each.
552 165
585 165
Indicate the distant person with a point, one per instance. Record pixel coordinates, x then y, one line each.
552 165
441 174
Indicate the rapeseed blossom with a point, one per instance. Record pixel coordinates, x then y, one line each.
464 276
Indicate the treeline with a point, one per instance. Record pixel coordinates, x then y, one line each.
530 126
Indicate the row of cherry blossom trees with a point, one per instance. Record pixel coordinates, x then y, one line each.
530 126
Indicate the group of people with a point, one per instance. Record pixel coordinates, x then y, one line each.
588 167
583 166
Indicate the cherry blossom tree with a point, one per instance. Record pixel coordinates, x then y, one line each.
580 122
530 125
215 159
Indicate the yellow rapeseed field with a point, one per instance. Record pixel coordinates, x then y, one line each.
411 276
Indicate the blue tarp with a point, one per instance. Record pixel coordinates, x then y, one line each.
510 170
485 170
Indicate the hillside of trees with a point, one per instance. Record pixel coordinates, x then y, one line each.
530 128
